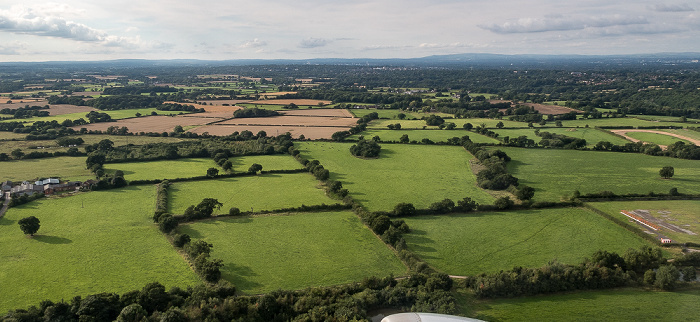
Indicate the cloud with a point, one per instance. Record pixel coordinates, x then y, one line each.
313 42
684 7
44 21
562 23
255 43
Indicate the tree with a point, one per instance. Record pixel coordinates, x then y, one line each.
434 120
500 125
254 168
666 277
29 225
525 192
366 149
212 172
404 209
468 126
17 154
466 204
503 203
558 124
404 139
666 172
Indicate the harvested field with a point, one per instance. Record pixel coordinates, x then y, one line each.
222 102
86 93
61 109
21 102
214 115
159 123
310 132
295 101
624 133
294 121
276 93
318 112
213 108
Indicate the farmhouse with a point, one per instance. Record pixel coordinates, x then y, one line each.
46 186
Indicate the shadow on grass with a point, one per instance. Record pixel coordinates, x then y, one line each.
237 275
52 239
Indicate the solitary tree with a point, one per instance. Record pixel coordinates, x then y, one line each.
500 125
666 172
29 225
254 168
212 172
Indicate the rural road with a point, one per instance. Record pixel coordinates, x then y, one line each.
624 133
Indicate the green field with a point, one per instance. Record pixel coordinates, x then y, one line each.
556 173
591 135
268 162
262 254
11 135
115 114
471 244
417 174
67 168
88 243
684 132
606 305
620 121
164 169
660 139
419 124
261 192
51 146
418 135
683 213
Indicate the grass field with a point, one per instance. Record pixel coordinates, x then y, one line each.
606 305
683 213
471 244
655 138
418 135
67 168
683 132
591 135
262 254
620 121
88 243
268 162
51 146
419 124
261 192
116 115
11 135
421 175
555 173
164 169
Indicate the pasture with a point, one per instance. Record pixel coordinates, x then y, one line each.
262 254
470 244
418 135
309 132
556 173
51 145
656 138
682 213
420 124
605 305
268 162
619 121
417 174
67 168
163 169
260 192
591 135
115 114
93 242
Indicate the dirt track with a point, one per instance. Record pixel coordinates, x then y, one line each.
624 133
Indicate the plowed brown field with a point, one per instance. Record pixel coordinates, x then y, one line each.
159 123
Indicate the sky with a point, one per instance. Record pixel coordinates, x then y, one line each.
80 30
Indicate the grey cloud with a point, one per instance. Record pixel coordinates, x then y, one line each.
684 7
29 22
562 23
313 43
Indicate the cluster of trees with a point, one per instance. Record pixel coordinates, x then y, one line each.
18 154
20 200
366 149
495 176
553 140
254 112
199 254
97 117
396 126
603 270
26 112
679 149
204 209
419 293
221 158
315 167
179 107
68 141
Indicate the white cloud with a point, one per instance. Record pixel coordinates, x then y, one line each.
45 21
672 7
563 23
255 43
313 42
